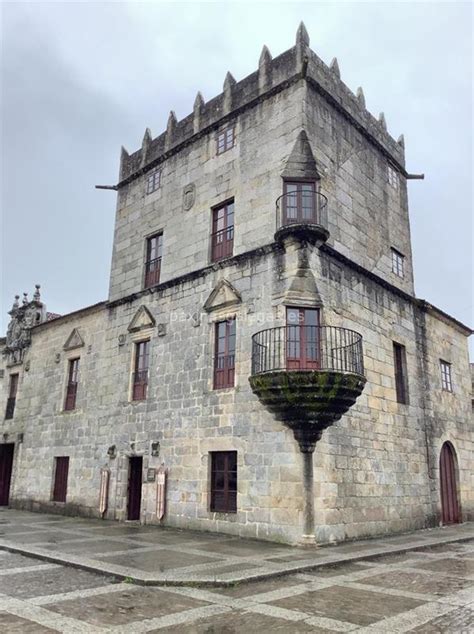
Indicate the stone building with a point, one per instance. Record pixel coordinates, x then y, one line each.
261 350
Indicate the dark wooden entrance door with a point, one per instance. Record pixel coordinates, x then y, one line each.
135 487
449 495
6 464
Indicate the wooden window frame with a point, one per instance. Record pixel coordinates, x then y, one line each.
153 181
446 376
225 139
300 208
297 340
12 392
223 489
401 375
61 469
141 366
398 263
222 240
71 385
393 177
224 362
153 264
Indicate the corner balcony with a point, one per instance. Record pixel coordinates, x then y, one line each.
308 377
302 214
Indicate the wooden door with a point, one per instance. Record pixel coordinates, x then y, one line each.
449 495
302 339
6 465
61 474
135 487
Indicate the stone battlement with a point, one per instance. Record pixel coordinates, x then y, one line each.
272 76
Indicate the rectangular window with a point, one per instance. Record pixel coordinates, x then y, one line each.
446 381
224 358
224 481
154 249
140 374
401 376
153 181
299 203
225 139
302 339
61 471
392 177
71 387
11 400
222 238
398 263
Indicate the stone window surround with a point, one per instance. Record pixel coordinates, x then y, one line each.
216 207
398 263
223 144
446 376
146 334
393 177
153 180
402 392
230 494
146 242
222 444
70 355
222 314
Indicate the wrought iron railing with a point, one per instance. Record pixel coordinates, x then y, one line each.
296 347
71 393
139 385
222 243
305 207
152 272
10 407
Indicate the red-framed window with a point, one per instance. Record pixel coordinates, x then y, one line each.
225 139
398 263
11 400
71 387
446 379
153 181
401 376
224 357
222 238
223 481
140 374
154 252
61 472
302 339
299 202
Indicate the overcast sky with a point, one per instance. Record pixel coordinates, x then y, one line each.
81 79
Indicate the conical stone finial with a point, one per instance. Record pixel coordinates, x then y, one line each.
145 145
197 111
16 302
25 299
401 140
302 37
170 129
265 57
334 66
229 83
360 96
124 156
382 121
264 68
37 296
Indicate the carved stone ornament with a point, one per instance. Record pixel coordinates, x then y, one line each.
161 329
189 196
224 295
122 339
142 319
23 318
74 340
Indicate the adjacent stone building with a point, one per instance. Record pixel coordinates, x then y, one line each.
261 308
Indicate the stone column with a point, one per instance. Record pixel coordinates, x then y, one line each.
307 440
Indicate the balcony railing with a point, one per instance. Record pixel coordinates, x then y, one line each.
222 243
152 272
10 407
294 347
304 207
140 385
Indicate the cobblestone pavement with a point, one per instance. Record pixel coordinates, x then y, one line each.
428 591
154 555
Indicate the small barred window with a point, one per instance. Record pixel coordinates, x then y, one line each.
446 381
153 181
398 263
392 176
225 140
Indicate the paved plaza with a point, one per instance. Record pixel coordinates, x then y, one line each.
352 587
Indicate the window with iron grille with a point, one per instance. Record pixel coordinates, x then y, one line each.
392 177
224 357
398 263
154 249
61 472
11 400
225 139
223 481
153 181
446 381
222 237
401 376
140 374
71 387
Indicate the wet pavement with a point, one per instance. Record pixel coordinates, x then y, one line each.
429 591
161 556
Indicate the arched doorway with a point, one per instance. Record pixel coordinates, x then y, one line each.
450 513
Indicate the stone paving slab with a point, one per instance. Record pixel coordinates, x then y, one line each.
162 556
